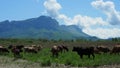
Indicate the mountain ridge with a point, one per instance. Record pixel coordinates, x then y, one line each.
43 27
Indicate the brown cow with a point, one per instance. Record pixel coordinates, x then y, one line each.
103 49
115 50
63 48
31 49
37 47
55 51
96 51
60 48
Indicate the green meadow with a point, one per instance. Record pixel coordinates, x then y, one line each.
45 58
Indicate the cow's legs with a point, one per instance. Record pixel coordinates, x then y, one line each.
53 54
56 54
93 56
89 56
81 56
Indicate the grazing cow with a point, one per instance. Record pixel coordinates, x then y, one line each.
16 52
115 50
3 50
96 51
84 51
62 48
65 48
31 49
103 49
55 51
20 47
39 47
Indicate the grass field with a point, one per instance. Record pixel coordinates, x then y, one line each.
69 58
44 57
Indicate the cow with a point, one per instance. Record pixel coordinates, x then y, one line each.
55 51
84 51
103 49
3 50
20 47
30 50
96 51
16 52
115 50
65 48
62 48
37 47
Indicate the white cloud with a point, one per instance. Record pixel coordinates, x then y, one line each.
67 20
52 7
108 7
83 21
103 33
86 23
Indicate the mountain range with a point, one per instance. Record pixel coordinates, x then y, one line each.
43 27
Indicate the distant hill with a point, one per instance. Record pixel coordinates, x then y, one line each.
43 27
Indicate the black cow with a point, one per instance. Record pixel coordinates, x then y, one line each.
84 51
20 47
4 50
16 50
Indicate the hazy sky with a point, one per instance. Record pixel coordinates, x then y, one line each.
99 18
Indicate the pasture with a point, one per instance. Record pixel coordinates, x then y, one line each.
44 57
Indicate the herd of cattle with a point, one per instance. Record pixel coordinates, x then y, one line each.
55 50
16 50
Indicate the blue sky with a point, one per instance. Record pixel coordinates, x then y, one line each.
20 9
23 9
100 18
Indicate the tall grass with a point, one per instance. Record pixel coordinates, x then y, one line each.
71 58
45 58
